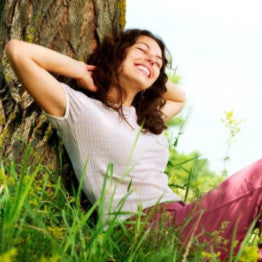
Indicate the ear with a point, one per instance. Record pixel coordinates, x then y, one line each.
120 69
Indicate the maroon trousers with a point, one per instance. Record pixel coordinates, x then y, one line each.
228 209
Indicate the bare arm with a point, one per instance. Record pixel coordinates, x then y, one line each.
32 64
175 101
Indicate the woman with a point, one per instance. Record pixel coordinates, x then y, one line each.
121 122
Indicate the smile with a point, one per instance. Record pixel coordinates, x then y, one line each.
144 69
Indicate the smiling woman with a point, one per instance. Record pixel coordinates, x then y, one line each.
121 121
127 89
132 65
143 63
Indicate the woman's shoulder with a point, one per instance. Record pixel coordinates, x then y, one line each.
79 98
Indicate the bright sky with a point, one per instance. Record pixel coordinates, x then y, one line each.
217 47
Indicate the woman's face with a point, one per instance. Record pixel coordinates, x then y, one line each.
142 63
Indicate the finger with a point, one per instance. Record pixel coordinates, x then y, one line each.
94 88
91 67
91 87
90 84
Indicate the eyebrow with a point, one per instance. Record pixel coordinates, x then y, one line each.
150 48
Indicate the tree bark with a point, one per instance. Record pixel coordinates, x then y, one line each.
72 27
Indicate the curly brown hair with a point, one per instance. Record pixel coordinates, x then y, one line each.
108 58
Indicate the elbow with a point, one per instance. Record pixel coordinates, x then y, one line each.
183 104
12 49
183 96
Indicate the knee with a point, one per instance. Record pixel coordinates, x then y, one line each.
256 168
258 165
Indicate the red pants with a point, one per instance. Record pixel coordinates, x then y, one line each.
237 202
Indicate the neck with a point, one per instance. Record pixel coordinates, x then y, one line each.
128 95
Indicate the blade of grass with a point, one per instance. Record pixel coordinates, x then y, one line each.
244 242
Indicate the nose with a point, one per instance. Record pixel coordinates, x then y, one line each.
151 59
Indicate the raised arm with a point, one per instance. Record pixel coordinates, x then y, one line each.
175 101
32 64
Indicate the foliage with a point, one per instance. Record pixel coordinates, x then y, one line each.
189 174
233 126
40 221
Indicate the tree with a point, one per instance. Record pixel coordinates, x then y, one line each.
72 27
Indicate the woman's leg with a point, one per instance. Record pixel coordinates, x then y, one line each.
228 209
234 204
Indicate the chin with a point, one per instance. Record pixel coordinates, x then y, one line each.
143 85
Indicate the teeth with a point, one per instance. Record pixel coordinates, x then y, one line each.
144 69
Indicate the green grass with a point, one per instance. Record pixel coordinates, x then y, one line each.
41 221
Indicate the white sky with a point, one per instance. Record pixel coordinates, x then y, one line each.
217 47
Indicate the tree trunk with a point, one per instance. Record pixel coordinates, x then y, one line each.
72 27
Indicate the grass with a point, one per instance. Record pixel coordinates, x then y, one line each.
41 221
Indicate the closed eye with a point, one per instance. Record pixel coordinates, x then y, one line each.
158 65
145 52
141 49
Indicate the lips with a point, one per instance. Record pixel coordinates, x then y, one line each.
146 70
